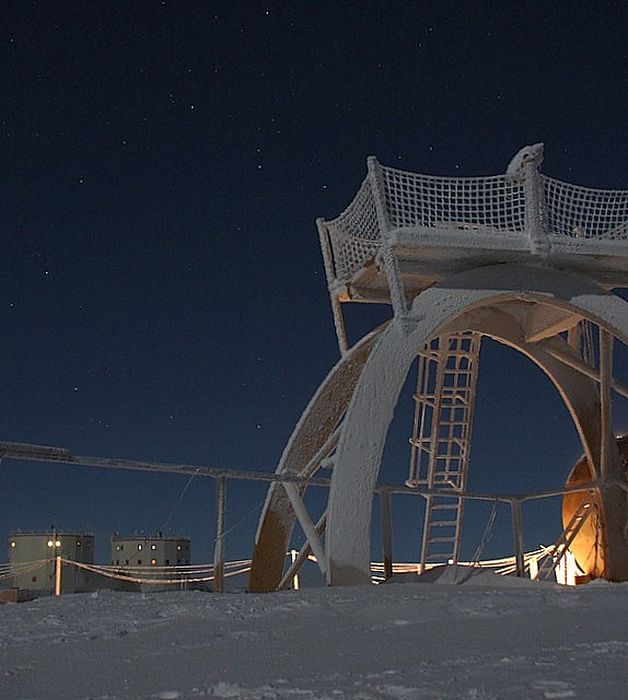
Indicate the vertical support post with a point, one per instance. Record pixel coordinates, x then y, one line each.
332 286
384 500
58 574
534 568
573 338
534 213
525 167
517 536
391 264
606 428
219 544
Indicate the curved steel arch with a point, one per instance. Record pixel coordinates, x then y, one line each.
370 411
317 423
330 401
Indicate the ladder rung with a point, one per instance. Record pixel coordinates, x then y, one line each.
444 523
419 444
433 540
417 481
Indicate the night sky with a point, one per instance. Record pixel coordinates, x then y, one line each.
162 288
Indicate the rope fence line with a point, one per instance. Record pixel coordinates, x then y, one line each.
204 573
9 571
108 573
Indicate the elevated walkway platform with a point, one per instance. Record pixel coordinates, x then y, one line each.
422 228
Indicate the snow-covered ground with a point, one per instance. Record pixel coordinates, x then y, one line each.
488 638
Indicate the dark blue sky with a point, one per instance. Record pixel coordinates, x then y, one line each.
162 292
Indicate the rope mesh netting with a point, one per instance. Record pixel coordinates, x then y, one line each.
490 203
495 205
580 212
355 234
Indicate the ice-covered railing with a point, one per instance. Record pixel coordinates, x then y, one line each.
520 202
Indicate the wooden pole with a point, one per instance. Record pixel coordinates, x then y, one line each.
219 544
517 536
384 499
58 575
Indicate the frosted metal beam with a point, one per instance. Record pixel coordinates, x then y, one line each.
385 512
582 367
606 430
309 529
105 463
517 536
302 556
219 544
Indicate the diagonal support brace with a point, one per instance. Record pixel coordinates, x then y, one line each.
306 523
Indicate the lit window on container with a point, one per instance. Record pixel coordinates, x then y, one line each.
140 547
153 562
153 546
13 545
179 548
78 543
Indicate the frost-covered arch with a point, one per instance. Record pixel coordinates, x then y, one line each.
370 411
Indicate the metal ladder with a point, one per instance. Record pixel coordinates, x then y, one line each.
441 439
567 536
